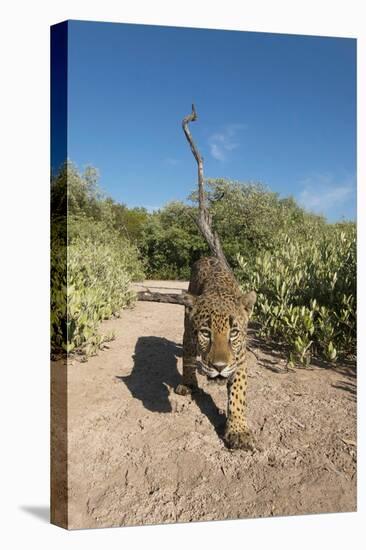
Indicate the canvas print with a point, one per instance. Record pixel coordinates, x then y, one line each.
203 274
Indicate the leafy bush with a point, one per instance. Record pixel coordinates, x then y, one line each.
171 243
92 264
249 216
99 272
303 269
307 292
246 216
95 286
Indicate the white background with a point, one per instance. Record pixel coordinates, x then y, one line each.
24 218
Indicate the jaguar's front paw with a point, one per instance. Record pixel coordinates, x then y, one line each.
182 389
240 439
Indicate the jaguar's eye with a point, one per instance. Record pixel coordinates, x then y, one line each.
234 333
205 333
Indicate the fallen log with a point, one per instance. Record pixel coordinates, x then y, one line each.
165 298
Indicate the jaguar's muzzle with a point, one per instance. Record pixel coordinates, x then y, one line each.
219 373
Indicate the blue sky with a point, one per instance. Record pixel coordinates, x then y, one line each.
276 109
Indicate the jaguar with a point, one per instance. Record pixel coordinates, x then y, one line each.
214 341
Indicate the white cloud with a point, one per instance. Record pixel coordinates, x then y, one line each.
323 194
172 161
217 151
221 143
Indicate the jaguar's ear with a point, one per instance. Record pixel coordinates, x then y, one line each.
248 300
188 299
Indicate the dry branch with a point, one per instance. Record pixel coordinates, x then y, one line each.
204 220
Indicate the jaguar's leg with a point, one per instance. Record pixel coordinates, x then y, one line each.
237 434
189 379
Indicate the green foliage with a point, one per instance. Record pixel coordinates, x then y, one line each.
250 217
130 222
75 193
303 269
307 291
91 269
171 242
246 216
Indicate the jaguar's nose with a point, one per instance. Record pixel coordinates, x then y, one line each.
219 365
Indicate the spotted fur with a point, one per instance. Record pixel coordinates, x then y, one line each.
214 341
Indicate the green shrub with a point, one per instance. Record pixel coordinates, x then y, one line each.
307 292
100 267
303 269
92 263
246 217
171 243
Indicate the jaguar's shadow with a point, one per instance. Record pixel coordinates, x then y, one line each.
155 374
208 407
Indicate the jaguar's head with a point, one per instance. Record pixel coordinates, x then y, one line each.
220 326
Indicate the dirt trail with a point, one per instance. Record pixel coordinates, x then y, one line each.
140 454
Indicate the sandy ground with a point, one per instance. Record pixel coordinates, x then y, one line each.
140 454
